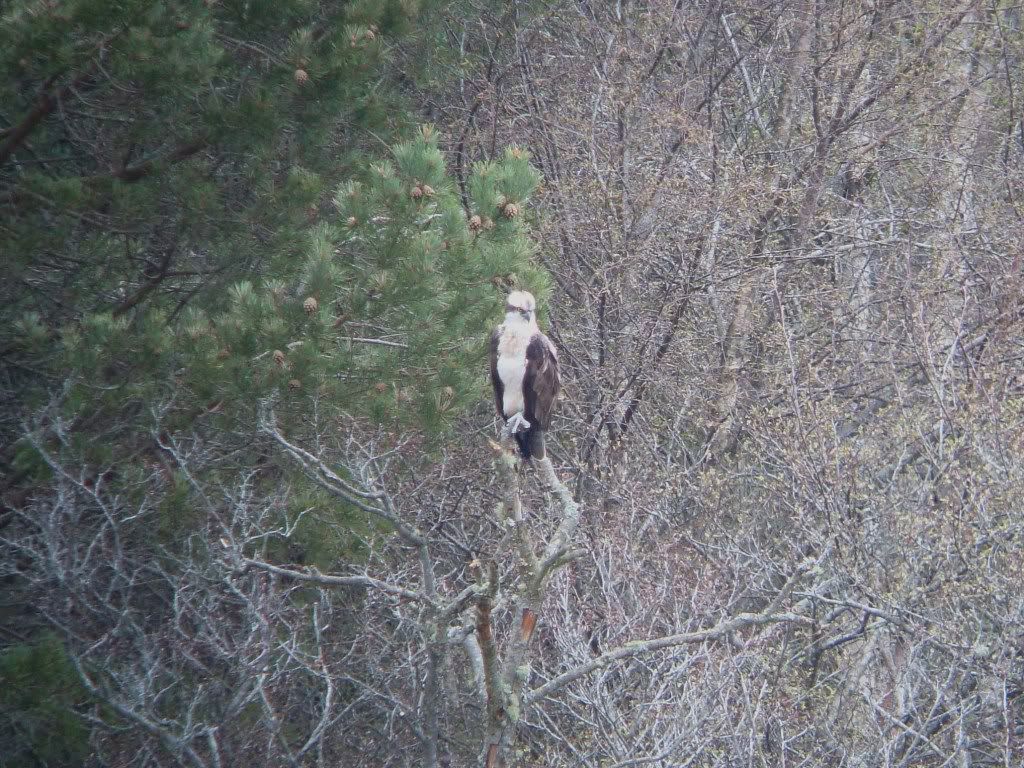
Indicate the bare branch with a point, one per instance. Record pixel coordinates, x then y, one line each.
641 647
326 580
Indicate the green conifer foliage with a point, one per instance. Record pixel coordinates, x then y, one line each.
38 695
166 173
154 153
386 314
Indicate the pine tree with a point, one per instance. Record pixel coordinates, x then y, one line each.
198 219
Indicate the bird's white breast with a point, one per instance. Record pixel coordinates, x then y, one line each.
512 343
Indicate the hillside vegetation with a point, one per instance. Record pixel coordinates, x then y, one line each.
252 511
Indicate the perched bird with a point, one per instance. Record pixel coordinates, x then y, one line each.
524 372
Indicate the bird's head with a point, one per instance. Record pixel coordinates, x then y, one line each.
521 307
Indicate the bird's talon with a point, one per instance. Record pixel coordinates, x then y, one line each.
517 424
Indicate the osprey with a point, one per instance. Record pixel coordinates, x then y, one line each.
524 372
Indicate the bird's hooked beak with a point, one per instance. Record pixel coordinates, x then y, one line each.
526 314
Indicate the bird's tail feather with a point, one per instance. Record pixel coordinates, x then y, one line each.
531 443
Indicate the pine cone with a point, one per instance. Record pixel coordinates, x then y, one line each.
488 222
279 358
475 223
294 384
417 192
352 222
301 77
310 305
380 387
510 210
446 399
428 190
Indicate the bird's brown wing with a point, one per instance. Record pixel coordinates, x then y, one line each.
499 388
542 381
